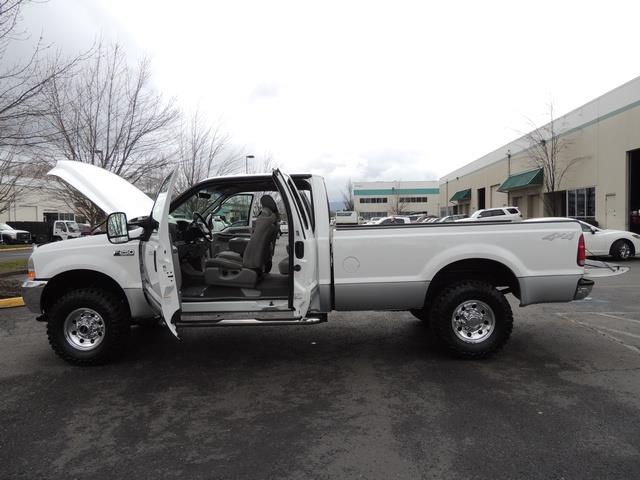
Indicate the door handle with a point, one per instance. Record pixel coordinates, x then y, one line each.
155 261
299 249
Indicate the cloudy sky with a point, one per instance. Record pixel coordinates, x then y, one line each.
392 90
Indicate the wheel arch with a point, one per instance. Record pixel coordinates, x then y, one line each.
82 278
492 271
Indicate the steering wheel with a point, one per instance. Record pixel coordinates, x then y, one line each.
201 224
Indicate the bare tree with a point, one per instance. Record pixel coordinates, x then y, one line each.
21 85
347 197
264 164
398 206
544 147
108 115
204 151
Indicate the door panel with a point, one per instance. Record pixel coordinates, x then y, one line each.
303 254
159 274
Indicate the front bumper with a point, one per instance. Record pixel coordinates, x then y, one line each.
32 293
583 289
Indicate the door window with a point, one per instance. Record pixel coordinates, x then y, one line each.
158 206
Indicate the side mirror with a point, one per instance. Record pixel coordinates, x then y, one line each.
117 228
593 231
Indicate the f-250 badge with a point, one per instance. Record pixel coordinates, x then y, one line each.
123 253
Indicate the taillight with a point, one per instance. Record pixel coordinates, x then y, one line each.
582 251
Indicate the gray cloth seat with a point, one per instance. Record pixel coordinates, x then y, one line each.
232 269
228 263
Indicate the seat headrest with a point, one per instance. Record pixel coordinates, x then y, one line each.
267 201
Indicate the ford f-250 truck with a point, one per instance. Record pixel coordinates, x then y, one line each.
162 259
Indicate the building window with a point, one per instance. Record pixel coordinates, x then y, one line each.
373 200
581 203
414 199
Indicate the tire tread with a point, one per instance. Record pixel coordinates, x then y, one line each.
118 324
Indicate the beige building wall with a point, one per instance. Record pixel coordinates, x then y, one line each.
34 202
597 139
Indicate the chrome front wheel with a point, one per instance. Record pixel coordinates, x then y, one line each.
84 329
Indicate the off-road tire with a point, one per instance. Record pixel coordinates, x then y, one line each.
114 313
450 297
617 248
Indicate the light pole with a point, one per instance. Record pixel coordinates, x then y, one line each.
100 154
246 162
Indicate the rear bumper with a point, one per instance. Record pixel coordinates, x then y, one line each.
583 289
32 293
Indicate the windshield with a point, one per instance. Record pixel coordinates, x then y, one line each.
4 226
73 226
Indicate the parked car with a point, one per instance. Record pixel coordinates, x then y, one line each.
347 218
455 276
452 218
85 229
600 242
284 227
391 220
492 214
10 235
218 224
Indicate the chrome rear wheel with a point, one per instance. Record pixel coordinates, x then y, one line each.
473 321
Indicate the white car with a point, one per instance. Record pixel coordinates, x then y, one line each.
390 220
284 227
492 214
600 242
451 218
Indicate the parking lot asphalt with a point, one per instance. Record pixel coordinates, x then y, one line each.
366 395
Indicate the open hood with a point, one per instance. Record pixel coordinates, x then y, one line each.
107 190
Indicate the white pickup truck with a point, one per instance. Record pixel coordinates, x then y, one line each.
163 259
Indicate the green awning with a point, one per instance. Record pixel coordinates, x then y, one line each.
461 195
522 180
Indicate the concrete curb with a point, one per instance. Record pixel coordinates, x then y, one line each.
11 302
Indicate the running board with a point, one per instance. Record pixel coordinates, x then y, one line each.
245 322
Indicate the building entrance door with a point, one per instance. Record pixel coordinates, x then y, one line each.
634 190
481 199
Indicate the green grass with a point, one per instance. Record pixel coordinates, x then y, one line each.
13 265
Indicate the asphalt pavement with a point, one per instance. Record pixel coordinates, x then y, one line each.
366 395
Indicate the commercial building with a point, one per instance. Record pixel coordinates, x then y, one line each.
599 157
38 200
382 199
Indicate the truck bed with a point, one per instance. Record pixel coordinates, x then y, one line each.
391 266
